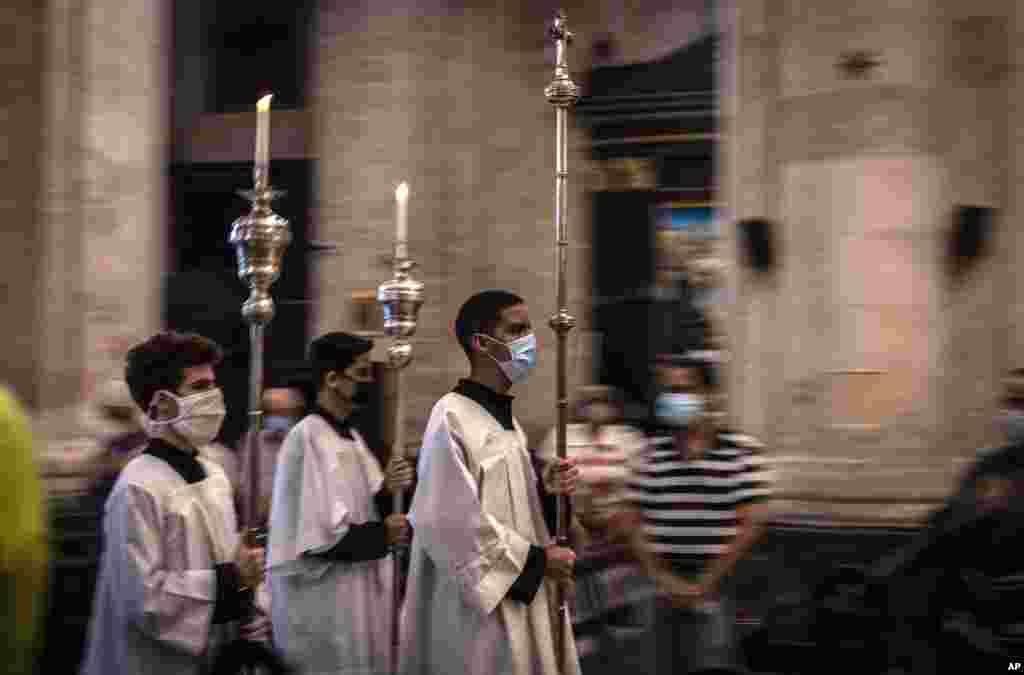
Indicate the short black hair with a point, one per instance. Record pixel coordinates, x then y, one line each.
707 369
334 351
159 363
481 313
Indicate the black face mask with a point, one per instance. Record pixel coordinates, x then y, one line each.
362 396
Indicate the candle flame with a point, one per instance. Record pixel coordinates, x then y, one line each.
263 105
402 192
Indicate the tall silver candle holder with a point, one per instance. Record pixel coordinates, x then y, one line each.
562 93
401 298
260 239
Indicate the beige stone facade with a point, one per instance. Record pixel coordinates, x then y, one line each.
869 373
83 245
870 376
450 100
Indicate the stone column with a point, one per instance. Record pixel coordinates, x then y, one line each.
83 246
748 75
22 147
873 376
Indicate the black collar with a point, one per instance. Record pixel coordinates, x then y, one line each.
185 462
341 427
498 405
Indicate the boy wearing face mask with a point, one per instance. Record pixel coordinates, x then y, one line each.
477 601
331 529
698 496
175 579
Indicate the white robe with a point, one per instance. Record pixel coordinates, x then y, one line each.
475 514
328 616
157 586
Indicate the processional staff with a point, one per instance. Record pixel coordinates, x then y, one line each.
400 298
562 93
260 238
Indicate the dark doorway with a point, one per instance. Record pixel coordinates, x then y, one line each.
623 252
203 293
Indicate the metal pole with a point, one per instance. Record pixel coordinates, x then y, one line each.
252 502
400 298
260 239
562 93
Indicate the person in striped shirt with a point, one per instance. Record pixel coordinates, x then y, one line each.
698 495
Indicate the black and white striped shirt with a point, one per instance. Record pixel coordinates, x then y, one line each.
689 506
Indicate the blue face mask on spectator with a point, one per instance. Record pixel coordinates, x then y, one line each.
281 424
676 409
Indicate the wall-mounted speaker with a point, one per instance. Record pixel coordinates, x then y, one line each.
968 240
757 243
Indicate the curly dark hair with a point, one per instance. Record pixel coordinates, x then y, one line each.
160 363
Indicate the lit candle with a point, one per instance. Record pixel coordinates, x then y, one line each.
263 137
402 223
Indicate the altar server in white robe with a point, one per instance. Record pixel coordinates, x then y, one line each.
174 578
331 529
483 565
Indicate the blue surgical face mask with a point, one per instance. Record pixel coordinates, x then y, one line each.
524 357
281 424
678 409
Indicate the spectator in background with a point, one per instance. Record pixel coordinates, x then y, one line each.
662 318
699 496
283 407
23 541
604 448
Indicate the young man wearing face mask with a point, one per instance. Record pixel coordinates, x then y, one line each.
477 601
331 529
175 579
698 496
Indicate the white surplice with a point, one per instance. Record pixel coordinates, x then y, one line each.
475 514
328 616
156 590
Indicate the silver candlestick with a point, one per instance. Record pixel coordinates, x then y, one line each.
260 239
401 298
562 93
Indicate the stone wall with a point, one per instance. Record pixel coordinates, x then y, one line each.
84 247
869 372
21 149
449 98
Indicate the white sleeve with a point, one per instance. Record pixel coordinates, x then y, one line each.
175 607
325 503
484 556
